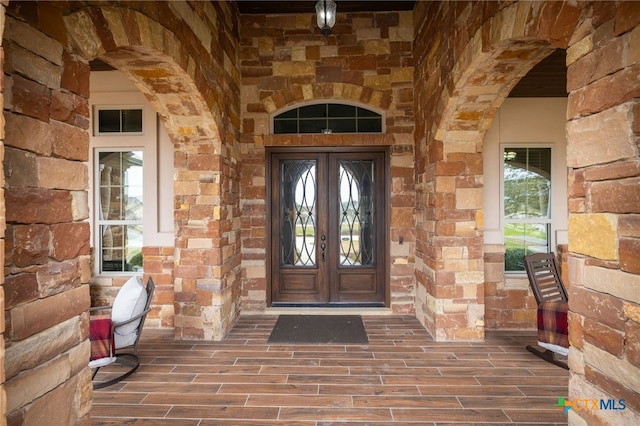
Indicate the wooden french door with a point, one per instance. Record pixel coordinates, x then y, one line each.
328 222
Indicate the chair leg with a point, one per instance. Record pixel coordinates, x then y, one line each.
130 361
548 356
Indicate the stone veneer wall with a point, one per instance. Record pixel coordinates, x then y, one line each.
509 301
3 394
462 75
46 256
467 55
603 133
286 61
158 265
182 56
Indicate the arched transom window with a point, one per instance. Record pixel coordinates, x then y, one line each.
327 118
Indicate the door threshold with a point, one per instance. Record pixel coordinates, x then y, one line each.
307 310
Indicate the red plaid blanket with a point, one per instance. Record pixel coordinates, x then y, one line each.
553 326
102 343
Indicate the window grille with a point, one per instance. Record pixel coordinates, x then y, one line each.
327 118
527 204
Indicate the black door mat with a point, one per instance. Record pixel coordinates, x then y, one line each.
316 329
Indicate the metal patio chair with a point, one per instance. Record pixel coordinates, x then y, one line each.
110 334
551 295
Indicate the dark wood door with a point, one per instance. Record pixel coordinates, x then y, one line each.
328 228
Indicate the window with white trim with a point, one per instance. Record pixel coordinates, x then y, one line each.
327 117
113 120
526 199
119 207
139 145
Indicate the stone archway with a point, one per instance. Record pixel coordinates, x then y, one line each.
450 302
464 123
377 100
298 93
179 85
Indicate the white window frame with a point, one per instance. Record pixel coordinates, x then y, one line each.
96 119
113 90
550 222
103 222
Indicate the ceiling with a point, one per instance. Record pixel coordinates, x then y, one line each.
547 79
308 6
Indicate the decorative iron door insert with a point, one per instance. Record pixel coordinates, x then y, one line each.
328 228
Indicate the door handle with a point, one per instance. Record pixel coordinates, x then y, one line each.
323 246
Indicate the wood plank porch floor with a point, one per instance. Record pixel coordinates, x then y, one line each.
402 376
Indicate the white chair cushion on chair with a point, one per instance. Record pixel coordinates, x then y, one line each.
129 302
101 362
124 341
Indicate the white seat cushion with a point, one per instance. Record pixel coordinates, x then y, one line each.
101 362
124 341
129 302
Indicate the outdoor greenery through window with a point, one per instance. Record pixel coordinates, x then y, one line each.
527 204
120 210
328 118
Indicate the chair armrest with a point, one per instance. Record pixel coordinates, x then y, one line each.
133 318
100 308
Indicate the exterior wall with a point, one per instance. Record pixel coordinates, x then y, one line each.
158 264
191 78
509 301
461 81
462 65
3 394
182 56
604 205
449 243
46 258
286 61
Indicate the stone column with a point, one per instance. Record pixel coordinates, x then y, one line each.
47 259
3 395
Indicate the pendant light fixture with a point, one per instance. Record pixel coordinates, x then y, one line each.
326 16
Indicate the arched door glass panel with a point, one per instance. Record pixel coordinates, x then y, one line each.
298 206
357 201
